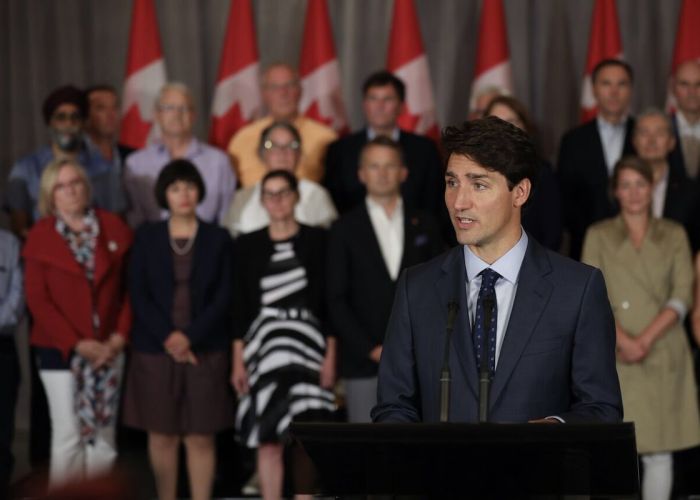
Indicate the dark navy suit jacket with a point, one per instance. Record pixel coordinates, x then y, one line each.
152 288
557 356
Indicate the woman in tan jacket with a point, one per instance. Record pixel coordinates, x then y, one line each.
649 275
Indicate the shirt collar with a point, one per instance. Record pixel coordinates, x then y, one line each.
373 206
684 127
193 149
603 124
395 134
508 266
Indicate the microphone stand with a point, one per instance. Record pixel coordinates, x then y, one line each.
484 375
445 377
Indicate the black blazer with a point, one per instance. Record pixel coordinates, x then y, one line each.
542 215
584 180
252 255
422 190
360 289
683 203
151 285
675 158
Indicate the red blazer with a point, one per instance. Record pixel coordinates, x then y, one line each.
59 294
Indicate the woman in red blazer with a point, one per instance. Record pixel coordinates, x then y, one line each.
76 291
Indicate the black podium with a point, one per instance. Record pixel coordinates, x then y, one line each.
478 460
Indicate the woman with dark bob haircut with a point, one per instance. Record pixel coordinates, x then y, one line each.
180 282
283 357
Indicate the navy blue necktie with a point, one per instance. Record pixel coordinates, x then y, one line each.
487 297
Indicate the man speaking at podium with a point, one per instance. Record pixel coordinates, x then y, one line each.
533 335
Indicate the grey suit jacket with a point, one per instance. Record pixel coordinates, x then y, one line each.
557 356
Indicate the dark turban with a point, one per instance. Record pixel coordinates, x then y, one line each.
64 95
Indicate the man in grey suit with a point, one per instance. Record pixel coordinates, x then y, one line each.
549 349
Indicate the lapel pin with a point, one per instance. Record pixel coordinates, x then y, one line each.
112 246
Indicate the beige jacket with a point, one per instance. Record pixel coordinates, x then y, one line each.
659 393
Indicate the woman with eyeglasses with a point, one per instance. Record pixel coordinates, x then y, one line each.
280 149
177 383
75 263
283 361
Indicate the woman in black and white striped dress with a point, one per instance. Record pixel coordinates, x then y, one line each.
283 363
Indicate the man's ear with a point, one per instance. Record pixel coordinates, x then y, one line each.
521 192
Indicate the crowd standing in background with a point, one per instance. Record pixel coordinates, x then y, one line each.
265 313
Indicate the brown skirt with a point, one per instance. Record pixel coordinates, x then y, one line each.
163 396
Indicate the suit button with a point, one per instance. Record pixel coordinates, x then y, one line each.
625 304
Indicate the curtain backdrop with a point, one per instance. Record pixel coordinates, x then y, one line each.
47 43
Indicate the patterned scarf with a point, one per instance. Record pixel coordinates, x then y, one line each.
96 391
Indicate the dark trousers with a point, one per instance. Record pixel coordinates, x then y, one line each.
9 385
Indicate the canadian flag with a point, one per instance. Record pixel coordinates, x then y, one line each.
319 70
604 44
407 60
492 58
145 75
237 94
687 42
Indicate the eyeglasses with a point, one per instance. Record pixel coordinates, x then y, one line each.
70 185
268 145
65 117
174 108
277 195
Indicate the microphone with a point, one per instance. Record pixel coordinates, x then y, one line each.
445 378
484 375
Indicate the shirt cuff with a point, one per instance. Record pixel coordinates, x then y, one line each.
561 420
678 306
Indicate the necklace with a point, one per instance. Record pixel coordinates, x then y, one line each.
185 249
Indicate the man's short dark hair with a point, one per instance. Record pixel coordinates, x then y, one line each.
100 87
606 63
285 175
496 145
178 170
68 94
383 78
387 142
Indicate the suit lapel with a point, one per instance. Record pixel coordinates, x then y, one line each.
531 298
598 151
370 238
451 286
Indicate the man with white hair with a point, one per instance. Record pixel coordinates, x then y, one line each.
281 92
686 119
175 117
675 196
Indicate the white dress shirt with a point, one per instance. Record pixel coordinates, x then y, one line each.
508 266
612 136
395 134
658 196
389 233
685 128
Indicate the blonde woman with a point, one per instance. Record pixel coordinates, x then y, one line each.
75 260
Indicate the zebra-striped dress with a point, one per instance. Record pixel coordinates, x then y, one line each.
283 352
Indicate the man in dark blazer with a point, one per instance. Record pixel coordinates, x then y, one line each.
383 98
675 196
588 153
686 119
368 247
551 343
